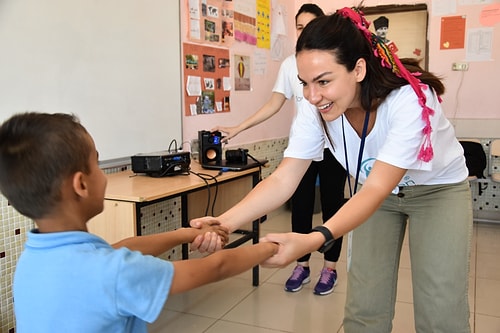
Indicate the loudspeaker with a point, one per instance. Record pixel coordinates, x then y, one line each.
210 146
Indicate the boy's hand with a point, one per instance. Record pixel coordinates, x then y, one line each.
207 242
221 231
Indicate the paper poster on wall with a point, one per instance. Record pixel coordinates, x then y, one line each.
259 62
479 44
278 33
444 7
452 33
205 69
211 21
242 73
245 29
473 2
490 15
264 24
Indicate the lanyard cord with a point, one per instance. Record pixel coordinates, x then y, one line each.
360 154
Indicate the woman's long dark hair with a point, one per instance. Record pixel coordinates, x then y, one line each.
340 36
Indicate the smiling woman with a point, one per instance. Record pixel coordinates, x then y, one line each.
376 117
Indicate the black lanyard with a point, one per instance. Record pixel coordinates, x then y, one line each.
360 153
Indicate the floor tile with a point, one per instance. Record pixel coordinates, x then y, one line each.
213 300
171 321
488 297
276 309
487 324
223 326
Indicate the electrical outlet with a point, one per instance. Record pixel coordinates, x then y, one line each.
460 66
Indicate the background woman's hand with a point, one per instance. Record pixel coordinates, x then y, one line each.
230 132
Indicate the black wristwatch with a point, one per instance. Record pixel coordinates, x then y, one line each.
329 240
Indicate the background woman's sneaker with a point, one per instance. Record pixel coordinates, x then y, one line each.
300 276
327 282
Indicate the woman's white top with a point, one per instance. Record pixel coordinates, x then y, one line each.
395 139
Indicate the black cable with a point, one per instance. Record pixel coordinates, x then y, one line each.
259 163
206 177
164 172
170 146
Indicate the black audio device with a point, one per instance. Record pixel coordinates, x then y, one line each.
162 163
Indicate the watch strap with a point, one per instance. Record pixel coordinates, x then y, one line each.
329 239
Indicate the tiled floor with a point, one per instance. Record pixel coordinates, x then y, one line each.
234 305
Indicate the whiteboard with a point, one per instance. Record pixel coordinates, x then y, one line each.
115 64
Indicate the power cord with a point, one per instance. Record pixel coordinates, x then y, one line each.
259 163
170 146
164 172
206 177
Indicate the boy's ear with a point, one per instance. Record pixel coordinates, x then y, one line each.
79 184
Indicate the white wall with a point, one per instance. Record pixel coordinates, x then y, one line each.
114 63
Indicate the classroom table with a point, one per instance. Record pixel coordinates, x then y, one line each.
139 204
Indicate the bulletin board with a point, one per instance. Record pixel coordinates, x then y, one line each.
206 79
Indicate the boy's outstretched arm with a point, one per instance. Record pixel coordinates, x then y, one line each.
157 244
193 273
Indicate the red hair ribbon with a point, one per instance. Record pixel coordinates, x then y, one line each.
390 60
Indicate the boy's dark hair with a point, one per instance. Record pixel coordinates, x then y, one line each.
38 151
310 8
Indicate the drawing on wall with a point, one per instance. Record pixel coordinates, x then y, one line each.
227 30
242 73
209 83
207 102
191 61
210 34
223 63
208 63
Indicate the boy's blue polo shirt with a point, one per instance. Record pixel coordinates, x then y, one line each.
76 282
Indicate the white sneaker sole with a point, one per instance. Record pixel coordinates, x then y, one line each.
328 292
306 281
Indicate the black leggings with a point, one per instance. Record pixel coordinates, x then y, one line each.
332 177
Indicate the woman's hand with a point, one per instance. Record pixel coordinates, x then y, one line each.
208 242
291 247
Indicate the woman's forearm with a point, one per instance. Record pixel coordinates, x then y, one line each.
267 195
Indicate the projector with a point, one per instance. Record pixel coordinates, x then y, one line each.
162 163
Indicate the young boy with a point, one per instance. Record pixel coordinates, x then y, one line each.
68 280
